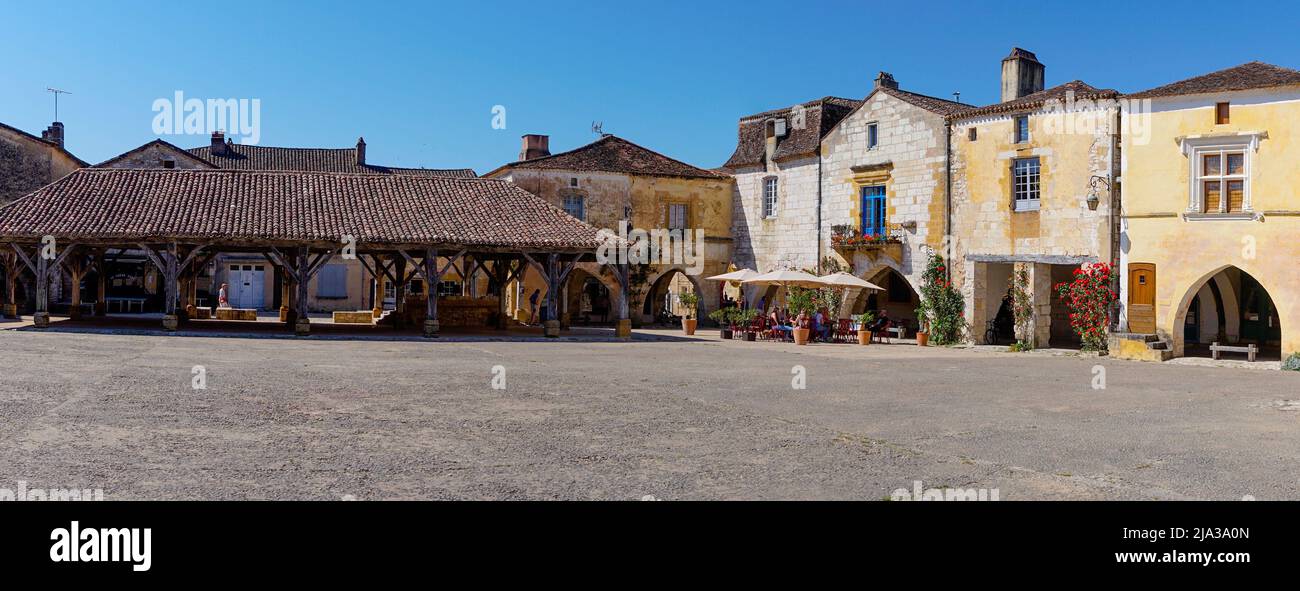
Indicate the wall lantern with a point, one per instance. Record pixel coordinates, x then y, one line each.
1094 186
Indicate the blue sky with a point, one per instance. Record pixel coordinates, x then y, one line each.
419 79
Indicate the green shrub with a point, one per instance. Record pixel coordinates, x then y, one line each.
1292 363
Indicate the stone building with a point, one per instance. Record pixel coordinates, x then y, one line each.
1211 215
777 166
1031 190
28 162
884 176
342 285
613 181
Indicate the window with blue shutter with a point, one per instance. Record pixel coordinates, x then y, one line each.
873 210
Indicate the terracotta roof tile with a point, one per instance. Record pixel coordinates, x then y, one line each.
235 206
820 117
1248 76
248 157
615 154
1029 102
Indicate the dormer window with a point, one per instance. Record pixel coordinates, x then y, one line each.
776 128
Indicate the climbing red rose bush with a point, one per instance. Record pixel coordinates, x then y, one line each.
1089 298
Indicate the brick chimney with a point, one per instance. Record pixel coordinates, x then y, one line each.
886 80
219 145
361 151
535 146
1022 74
54 134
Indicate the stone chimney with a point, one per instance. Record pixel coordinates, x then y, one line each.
1022 74
535 146
54 134
361 151
219 145
886 80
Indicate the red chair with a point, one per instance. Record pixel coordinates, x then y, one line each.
844 332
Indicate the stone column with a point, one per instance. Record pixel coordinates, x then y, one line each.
1040 289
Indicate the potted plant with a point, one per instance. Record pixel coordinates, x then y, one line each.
689 300
802 302
745 319
864 321
922 326
723 317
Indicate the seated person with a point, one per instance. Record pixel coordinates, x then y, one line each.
822 326
882 322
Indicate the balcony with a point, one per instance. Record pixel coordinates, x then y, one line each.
848 240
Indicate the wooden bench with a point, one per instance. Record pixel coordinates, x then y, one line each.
1249 350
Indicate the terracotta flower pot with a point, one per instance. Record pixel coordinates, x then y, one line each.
864 337
751 336
688 326
922 339
801 335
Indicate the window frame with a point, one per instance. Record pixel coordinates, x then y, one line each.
873 134
1028 203
1016 131
1223 178
686 216
770 201
582 205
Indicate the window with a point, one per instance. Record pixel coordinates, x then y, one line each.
1220 113
169 163
873 135
769 197
1022 129
873 210
1221 179
449 288
574 205
970 134
573 182
676 216
332 282
1025 183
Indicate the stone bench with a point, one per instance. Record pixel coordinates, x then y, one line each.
1249 350
363 317
236 314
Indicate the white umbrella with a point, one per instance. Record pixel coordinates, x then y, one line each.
846 280
786 278
737 276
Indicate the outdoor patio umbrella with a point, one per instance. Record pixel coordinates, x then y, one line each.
737 276
846 281
786 278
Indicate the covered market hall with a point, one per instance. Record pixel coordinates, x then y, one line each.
400 228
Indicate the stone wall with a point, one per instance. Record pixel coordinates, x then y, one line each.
27 164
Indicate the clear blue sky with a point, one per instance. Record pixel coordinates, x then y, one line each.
418 79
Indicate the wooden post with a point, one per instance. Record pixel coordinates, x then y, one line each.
499 274
76 271
101 281
432 276
303 324
399 291
379 287
10 261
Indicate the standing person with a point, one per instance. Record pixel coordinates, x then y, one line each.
532 305
223 297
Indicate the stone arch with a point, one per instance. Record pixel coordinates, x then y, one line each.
657 287
885 275
573 289
1229 298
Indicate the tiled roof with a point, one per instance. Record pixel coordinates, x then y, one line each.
1247 76
933 104
162 145
820 117
1029 102
129 205
615 154
248 157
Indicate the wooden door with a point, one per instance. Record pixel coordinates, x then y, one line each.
1142 298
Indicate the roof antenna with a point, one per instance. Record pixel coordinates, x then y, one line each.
956 97
56 93
597 127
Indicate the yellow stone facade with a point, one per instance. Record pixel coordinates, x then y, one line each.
1220 256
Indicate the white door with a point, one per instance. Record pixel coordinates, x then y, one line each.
247 283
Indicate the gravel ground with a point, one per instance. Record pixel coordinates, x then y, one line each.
701 419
